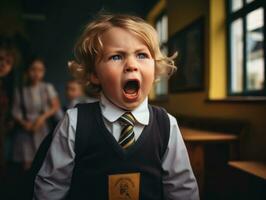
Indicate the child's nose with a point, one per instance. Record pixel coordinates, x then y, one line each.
131 65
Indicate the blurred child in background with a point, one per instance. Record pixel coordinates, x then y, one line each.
34 103
74 93
8 58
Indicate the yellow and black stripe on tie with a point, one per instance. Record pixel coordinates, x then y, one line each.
127 136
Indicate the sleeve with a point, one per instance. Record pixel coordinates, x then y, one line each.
16 110
51 90
54 178
178 179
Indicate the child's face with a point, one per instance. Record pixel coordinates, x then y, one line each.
6 63
126 70
73 91
36 72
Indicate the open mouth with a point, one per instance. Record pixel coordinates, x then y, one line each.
131 87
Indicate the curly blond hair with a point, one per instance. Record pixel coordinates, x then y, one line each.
89 47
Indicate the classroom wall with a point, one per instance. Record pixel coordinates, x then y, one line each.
204 103
10 20
51 37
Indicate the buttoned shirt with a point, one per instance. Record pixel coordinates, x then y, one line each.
54 178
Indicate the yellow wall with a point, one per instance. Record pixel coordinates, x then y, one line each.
217 51
182 13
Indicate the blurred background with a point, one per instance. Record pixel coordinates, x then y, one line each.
50 28
218 93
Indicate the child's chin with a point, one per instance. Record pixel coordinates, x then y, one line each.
131 105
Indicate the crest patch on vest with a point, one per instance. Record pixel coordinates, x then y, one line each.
124 186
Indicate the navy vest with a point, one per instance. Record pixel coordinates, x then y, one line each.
98 155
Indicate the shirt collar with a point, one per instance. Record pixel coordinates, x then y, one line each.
112 112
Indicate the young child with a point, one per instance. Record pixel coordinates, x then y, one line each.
74 91
75 94
119 147
34 103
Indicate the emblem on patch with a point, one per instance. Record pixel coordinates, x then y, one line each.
124 186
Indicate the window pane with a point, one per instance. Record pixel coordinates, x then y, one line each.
159 29
162 29
255 54
248 1
164 36
236 4
237 56
161 86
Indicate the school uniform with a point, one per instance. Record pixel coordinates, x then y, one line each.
171 169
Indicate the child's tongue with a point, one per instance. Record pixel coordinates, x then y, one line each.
131 87
130 91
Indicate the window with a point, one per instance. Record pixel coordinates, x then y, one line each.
246 33
161 25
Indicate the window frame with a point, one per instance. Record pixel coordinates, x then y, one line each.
231 17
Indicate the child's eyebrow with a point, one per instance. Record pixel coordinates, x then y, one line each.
122 51
143 49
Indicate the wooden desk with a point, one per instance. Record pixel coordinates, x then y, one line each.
255 168
194 135
195 141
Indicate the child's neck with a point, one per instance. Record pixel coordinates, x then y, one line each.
35 83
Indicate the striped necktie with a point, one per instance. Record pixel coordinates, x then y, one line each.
127 136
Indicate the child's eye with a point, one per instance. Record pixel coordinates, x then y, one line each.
142 55
116 57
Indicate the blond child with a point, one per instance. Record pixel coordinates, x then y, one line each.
119 147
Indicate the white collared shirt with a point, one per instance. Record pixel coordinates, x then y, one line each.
111 114
54 178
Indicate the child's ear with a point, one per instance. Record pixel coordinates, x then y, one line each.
94 78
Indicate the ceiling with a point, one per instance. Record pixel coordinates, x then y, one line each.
43 7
